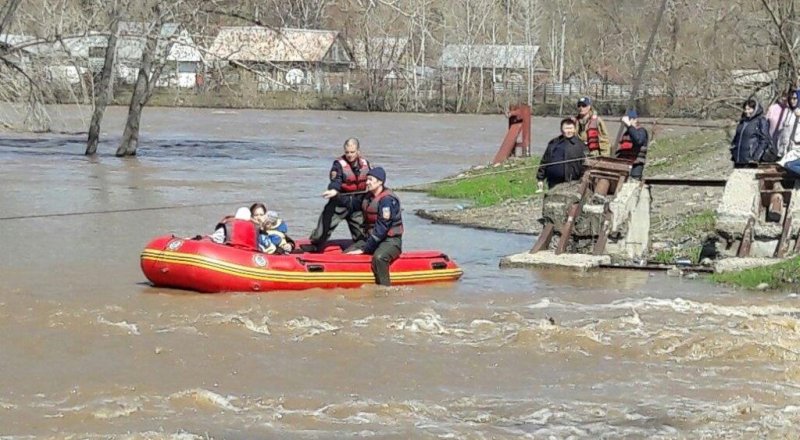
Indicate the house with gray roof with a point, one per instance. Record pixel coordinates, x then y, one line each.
66 60
507 64
70 58
380 53
175 48
284 58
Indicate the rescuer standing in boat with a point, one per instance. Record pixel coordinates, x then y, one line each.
348 182
384 226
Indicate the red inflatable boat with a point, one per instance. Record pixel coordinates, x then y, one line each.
204 266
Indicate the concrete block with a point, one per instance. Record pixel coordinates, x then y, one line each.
739 203
763 230
580 262
763 248
624 202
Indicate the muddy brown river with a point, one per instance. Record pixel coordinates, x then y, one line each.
90 350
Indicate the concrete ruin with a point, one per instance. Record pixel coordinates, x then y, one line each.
755 216
602 219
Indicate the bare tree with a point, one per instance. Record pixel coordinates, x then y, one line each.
7 12
102 92
306 14
149 72
783 17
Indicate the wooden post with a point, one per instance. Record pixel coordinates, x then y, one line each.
602 238
543 242
775 209
747 239
566 230
601 189
783 243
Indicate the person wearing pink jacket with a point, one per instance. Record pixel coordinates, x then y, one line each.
777 114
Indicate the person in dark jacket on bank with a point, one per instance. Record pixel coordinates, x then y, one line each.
563 158
752 137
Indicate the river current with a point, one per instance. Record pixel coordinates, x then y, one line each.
90 350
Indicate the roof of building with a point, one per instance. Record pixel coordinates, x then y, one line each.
129 44
261 44
176 41
488 56
381 53
74 46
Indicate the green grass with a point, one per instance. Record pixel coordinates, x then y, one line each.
777 276
492 185
669 153
699 223
668 256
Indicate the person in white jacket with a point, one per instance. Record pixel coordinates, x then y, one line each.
789 142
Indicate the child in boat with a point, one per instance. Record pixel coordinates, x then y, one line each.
273 236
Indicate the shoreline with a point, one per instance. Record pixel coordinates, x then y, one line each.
680 217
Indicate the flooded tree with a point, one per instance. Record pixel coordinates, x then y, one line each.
158 34
102 91
148 74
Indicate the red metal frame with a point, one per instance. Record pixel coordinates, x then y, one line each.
519 125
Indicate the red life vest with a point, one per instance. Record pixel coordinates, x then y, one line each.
593 134
242 234
352 182
625 143
370 208
625 149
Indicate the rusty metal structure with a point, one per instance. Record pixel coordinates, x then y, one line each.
602 178
517 140
775 189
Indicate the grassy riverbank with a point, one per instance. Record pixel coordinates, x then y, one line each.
516 179
782 276
677 154
489 186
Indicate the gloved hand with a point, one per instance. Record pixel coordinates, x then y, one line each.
539 187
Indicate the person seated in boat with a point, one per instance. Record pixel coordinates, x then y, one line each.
238 231
383 224
272 237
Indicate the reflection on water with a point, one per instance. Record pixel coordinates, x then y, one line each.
91 351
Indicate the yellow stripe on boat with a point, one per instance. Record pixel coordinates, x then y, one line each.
266 274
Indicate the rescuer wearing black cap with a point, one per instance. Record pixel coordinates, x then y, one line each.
384 226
